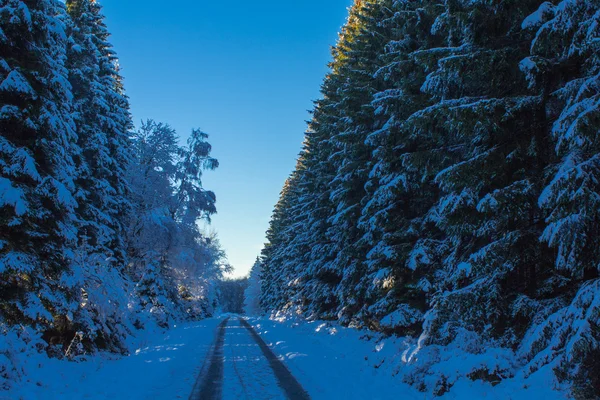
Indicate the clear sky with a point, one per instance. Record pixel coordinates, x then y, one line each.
245 72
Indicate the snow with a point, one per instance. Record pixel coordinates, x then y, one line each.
164 365
404 315
530 69
22 14
568 126
35 309
565 333
328 360
381 276
15 82
63 194
246 374
464 267
539 16
16 261
331 361
418 256
9 195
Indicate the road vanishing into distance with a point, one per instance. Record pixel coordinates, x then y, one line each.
240 365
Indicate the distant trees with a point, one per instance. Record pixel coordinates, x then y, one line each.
448 181
231 295
98 224
168 252
252 293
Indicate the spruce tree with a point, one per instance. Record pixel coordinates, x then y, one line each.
447 187
103 124
94 190
395 280
37 171
354 64
101 186
563 67
488 127
276 291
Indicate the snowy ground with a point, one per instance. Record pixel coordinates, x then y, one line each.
164 367
333 362
328 361
247 373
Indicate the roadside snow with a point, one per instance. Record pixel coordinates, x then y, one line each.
164 366
332 362
329 361
336 362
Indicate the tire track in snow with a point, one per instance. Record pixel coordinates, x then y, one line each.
210 382
247 374
239 376
292 388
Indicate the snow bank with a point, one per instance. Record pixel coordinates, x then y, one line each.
164 365
331 361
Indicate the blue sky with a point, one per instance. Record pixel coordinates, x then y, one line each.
245 72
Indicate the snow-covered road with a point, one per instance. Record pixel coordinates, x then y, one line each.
241 366
278 359
221 358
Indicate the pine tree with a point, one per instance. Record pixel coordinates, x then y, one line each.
316 276
37 146
395 280
489 127
563 66
103 124
276 292
354 64
323 259
448 185
94 191
72 254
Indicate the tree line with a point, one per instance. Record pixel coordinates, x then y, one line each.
99 231
449 183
